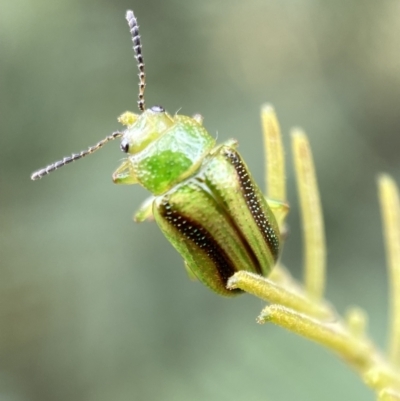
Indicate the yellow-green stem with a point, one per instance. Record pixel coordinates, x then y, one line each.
311 213
274 155
272 292
390 209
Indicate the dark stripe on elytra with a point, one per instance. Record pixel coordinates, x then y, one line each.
193 231
254 203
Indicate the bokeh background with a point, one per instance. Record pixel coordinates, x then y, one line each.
95 307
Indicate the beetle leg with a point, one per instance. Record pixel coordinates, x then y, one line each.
145 211
124 174
280 210
189 271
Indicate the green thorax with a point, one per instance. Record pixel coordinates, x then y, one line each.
162 150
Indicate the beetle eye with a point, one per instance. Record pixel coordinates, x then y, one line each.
125 146
158 109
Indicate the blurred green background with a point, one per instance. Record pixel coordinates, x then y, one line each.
95 307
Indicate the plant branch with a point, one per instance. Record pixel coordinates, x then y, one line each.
301 308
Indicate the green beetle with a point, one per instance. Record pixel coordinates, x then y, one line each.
204 200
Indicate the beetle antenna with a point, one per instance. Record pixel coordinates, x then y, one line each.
137 47
75 156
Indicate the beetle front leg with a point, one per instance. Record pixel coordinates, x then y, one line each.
124 174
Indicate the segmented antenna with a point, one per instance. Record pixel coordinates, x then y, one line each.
137 47
75 156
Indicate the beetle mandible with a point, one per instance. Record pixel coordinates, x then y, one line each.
205 200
